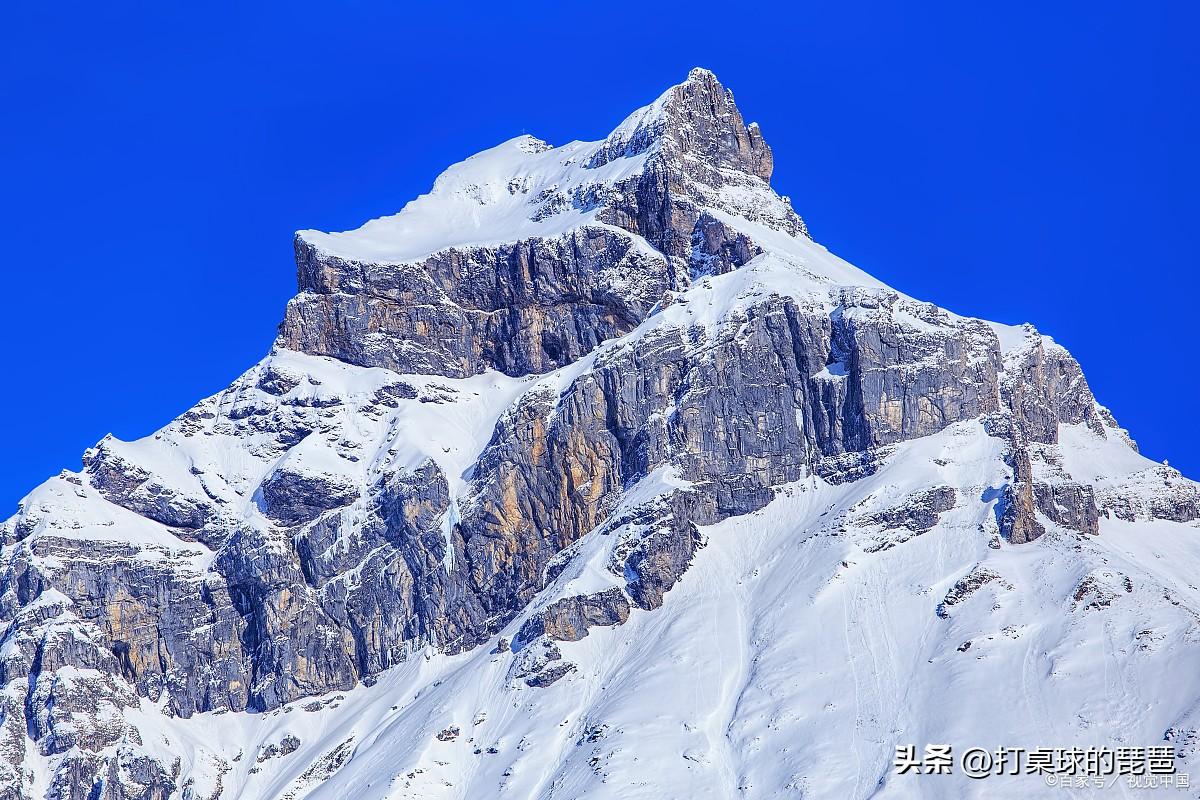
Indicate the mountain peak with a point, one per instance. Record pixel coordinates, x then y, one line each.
586 454
696 118
690 146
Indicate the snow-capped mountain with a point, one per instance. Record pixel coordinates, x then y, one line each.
590 475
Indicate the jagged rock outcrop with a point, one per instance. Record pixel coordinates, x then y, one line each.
1043 387
1158 492
528 307
1071 505
1018 520
568 620
966 586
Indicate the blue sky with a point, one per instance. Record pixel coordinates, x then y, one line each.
1015 163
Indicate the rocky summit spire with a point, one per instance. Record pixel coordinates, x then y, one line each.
708 126
697 119
701 159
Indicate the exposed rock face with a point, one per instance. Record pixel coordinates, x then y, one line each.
318 523
966 586
705 155
1156 493
919 513
1043 387
522 308
1017 518
1071 505
660 543
132 487
568 620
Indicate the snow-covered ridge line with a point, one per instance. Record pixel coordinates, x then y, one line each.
520 189
516 190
